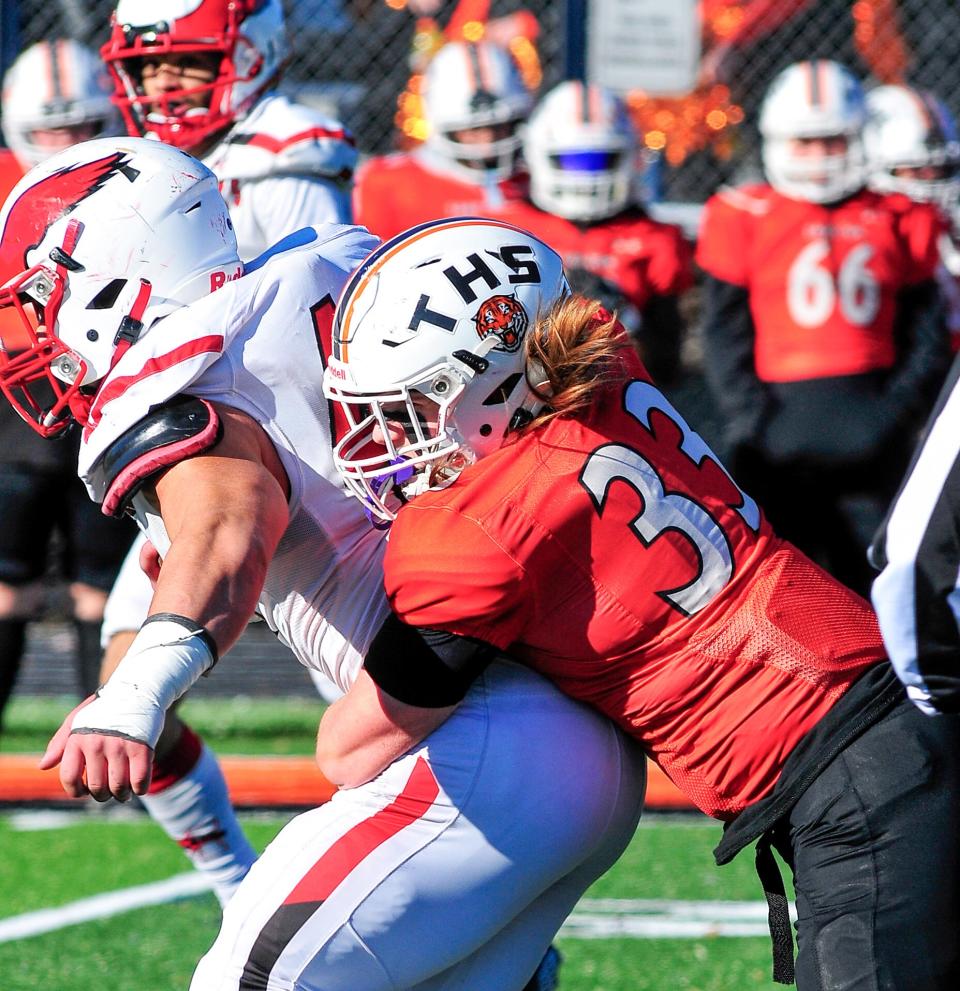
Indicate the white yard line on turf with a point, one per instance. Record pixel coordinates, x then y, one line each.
657 918
101 906
594 918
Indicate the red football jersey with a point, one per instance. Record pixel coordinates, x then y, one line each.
395 192
11 173
822 279
617 556
640 256
11 329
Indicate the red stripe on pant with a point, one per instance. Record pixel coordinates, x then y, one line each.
348 852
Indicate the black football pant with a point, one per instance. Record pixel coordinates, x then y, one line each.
874 844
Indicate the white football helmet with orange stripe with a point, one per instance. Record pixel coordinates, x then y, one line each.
469 87
581 149
912 145
108 236
55 86
248 35
440 314
807 104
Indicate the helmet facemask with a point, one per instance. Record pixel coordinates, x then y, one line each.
429 371
42 378
111 235
250 50
55 94
473 88
912 145
826 178
582 152
421 434
809 103
49 383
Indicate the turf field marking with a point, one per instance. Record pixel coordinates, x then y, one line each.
594 918
658 918
46 920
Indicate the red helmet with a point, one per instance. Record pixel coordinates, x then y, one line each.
248 35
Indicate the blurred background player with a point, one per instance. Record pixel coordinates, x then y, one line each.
824 331
583 157
474 102
54 95
202 75
913 148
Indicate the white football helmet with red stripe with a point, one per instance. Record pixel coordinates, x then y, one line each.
912 145
470 86
581 149
814 100
440 313
108 237
55 86
248 35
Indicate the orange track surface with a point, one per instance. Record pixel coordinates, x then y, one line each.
290 781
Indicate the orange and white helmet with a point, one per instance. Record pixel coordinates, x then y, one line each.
910 131
814 99
55 85
439 314
470 86
581 149
248 36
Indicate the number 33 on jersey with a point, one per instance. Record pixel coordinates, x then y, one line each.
822 279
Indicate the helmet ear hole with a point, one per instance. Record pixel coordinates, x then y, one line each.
503 391
107 296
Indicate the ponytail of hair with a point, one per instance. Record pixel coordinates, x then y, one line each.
578 346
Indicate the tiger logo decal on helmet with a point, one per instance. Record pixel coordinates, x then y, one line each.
505 317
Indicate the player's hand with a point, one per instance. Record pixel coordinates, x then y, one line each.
97 764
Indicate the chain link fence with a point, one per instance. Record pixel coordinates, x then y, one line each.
354 58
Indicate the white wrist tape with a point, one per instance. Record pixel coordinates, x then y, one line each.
168 655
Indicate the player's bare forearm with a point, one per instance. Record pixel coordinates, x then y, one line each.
225 513
366 730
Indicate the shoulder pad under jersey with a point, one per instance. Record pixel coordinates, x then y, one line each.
279 137
180 428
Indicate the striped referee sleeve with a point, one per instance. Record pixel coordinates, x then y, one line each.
917 594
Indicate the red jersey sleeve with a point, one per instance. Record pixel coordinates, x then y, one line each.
670 265
723 241
444 572
375 193
921 225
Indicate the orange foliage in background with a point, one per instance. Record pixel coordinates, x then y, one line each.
877 37
674 126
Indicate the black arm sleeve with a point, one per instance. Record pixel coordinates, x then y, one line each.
661 335
429 668
923 351
729 347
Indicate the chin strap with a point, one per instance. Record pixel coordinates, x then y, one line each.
131 325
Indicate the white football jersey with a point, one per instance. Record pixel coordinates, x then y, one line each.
284 166
255 345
